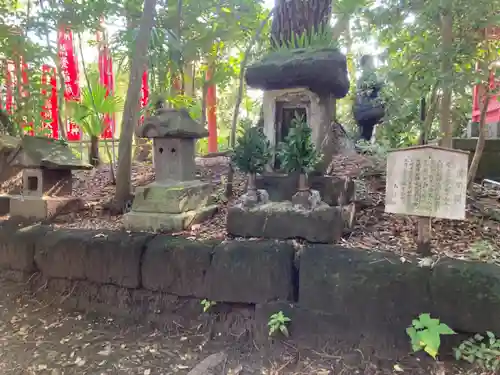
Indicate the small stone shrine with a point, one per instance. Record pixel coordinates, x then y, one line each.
298 82
176 200
47 166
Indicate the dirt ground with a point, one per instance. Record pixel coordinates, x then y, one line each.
39 338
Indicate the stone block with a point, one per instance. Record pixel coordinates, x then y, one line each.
369 288
251 272
4 204
105 257
38 208
152 221
282 220
17 246
466 295
176 265
281 187
171 197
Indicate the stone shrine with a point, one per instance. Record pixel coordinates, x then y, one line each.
47 166
176 200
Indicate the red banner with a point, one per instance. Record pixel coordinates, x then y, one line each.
106 79
11 83
144 93
69 67
50 110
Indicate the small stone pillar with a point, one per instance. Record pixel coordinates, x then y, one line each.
176 200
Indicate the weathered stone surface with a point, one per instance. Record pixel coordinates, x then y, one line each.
282 220
43 152
250 272
171 123
466 295
171 197
40 208
102 257
323 71
17 246
488 165
281 187
145 221
176 265
371 289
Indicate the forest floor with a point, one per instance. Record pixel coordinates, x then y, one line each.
477 237
39 338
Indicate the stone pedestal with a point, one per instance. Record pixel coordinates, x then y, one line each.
284 220
170 206
37 208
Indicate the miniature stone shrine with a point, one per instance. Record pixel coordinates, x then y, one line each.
176 200
47 166
299 82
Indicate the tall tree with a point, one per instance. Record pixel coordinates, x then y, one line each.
130 113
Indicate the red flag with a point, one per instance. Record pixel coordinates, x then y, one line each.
106 79
11 83
69 67
50 110
144 93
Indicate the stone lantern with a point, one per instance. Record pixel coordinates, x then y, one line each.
176 200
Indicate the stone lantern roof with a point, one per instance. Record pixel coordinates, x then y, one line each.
171 123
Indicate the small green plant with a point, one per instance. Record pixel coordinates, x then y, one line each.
319 38
425 334
207 304
252 152
480 350
484 251
278 323
298 153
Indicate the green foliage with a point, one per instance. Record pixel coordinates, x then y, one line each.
298 153
278 322
202 145
207 304
95 104
425 334
322 38
484 251
480 350
252 151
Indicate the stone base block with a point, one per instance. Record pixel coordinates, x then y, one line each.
153 221
283 220
38 208
4 204
171 197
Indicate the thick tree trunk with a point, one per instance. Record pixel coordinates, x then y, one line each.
123 176
446 70
294 17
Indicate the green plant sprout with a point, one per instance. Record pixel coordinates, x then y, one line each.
480 350
207 304
252 151
425 334
297 153
278 323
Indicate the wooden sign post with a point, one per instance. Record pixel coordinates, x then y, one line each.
427 181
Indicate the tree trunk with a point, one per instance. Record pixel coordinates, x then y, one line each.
446 70
123 176
294 17
481 140
94 151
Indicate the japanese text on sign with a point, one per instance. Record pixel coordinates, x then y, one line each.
427 181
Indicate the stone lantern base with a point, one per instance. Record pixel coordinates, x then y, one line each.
170 206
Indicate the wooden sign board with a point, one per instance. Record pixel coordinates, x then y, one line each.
427 181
